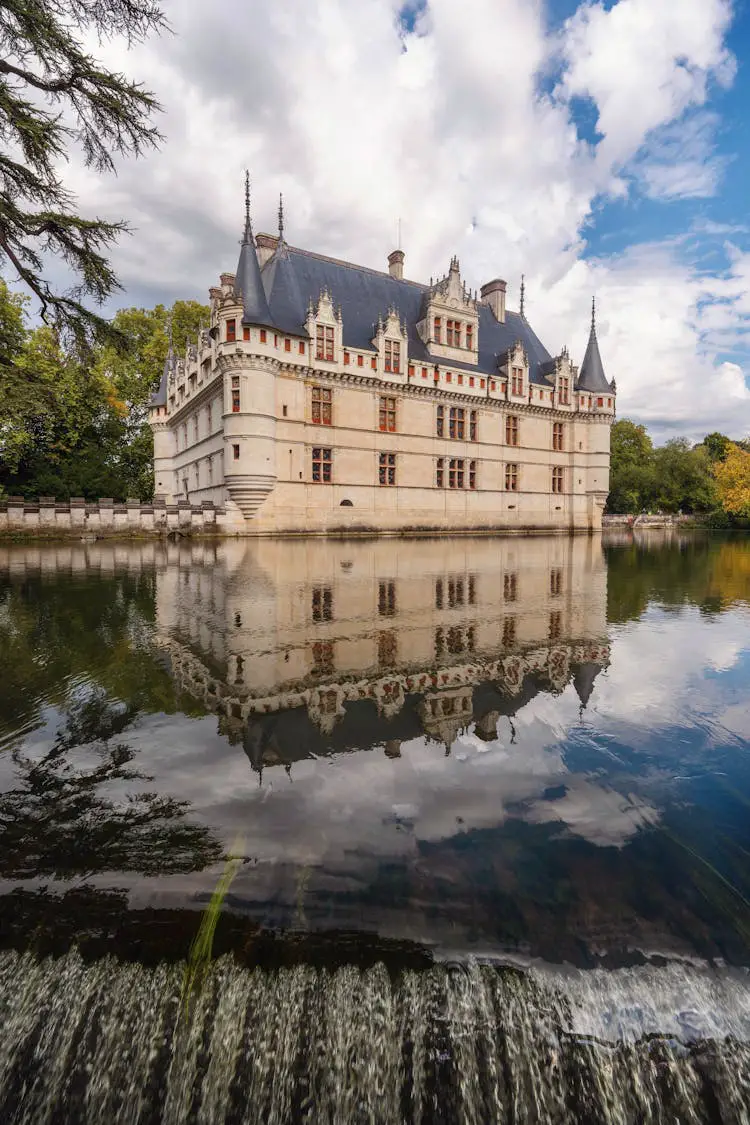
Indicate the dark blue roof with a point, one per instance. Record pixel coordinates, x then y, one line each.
248 285
293 278
592 377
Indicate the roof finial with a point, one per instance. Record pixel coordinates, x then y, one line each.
523 294
248 226
281 217
593 314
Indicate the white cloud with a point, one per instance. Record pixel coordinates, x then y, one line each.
448 129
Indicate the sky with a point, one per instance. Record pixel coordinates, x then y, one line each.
597 148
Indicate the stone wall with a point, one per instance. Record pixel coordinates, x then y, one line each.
47 517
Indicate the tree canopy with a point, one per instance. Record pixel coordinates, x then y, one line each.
56 98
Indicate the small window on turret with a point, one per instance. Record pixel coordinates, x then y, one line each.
231 329
245 331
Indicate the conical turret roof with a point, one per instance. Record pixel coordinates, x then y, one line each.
592 377
248 286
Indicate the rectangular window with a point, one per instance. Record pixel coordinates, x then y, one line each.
360 360
393 356
346 359
600 402
322 603
245 331
322 465
235 394
438 329
511 478
387 649
455 592
287 345
374 363
555 582
322 655
387 468
302 347
558 438
511 430
564 391
231 329
411 370
470 337
440 421
386 599
387 414
236 452
557 479
472 474
510 587
195 428
455 473
322 406
471 380
509 632
439 473
460 380
516 381
453 333
456 422
323 342
555 625
492 384
448 377
473 426
424 372
263 335
438 593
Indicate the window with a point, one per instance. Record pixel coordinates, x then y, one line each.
374 363
456 420
509 632
600 402
455 592
472 474
440 423
302 347
424 372
346 359
392 356
411 370
564 391
322 654
191 384
470 336
558 436
438 593
322 405
460 380
557 479
360 360
387 416
387 468
438 329
322 603
453 333
231 329
322 465
455 473
323 342
263 335
209 419
387 649
473 426
511 430
236 452
387 599
195 428
184 435
511 478
235 394
439 473
245 331
472 589
510 587
210 469
287 345
197 474
555 582
516 380
555 624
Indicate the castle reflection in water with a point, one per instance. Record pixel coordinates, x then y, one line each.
303 646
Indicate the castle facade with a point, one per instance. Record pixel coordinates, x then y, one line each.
327 397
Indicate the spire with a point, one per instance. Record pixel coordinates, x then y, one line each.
281 217
592 377
247 282
523 294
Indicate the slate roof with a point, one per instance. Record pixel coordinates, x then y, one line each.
248 284
159 397
292 278
592 377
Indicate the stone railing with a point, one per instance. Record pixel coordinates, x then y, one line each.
78 517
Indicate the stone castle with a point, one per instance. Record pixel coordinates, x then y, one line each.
326 396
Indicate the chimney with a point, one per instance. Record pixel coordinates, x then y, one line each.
396 264
265 244
493 294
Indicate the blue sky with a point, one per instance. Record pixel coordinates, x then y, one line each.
597 147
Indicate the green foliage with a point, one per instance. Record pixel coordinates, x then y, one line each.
631 468
671 478
716 445
53 95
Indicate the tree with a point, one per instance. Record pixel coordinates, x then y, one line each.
53 96
631 473
683 478
716 445
733 482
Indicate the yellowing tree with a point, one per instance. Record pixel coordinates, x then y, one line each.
733 480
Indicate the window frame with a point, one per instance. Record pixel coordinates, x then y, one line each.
393 356
387 469
512 431
387 414
456 472
321 405
511 476
322 464
558 437
324 342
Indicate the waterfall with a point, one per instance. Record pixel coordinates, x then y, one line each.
108 1041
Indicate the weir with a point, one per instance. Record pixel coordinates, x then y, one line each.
475 1043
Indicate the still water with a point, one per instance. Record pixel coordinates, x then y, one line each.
474 816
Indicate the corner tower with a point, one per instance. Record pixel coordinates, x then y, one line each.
241 319
593 386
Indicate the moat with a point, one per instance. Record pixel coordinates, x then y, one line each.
474 814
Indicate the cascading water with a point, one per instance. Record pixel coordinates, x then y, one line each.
118 1042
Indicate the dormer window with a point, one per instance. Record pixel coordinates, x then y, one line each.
516 380
564 391
453 333
393 356
323 342
438 330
